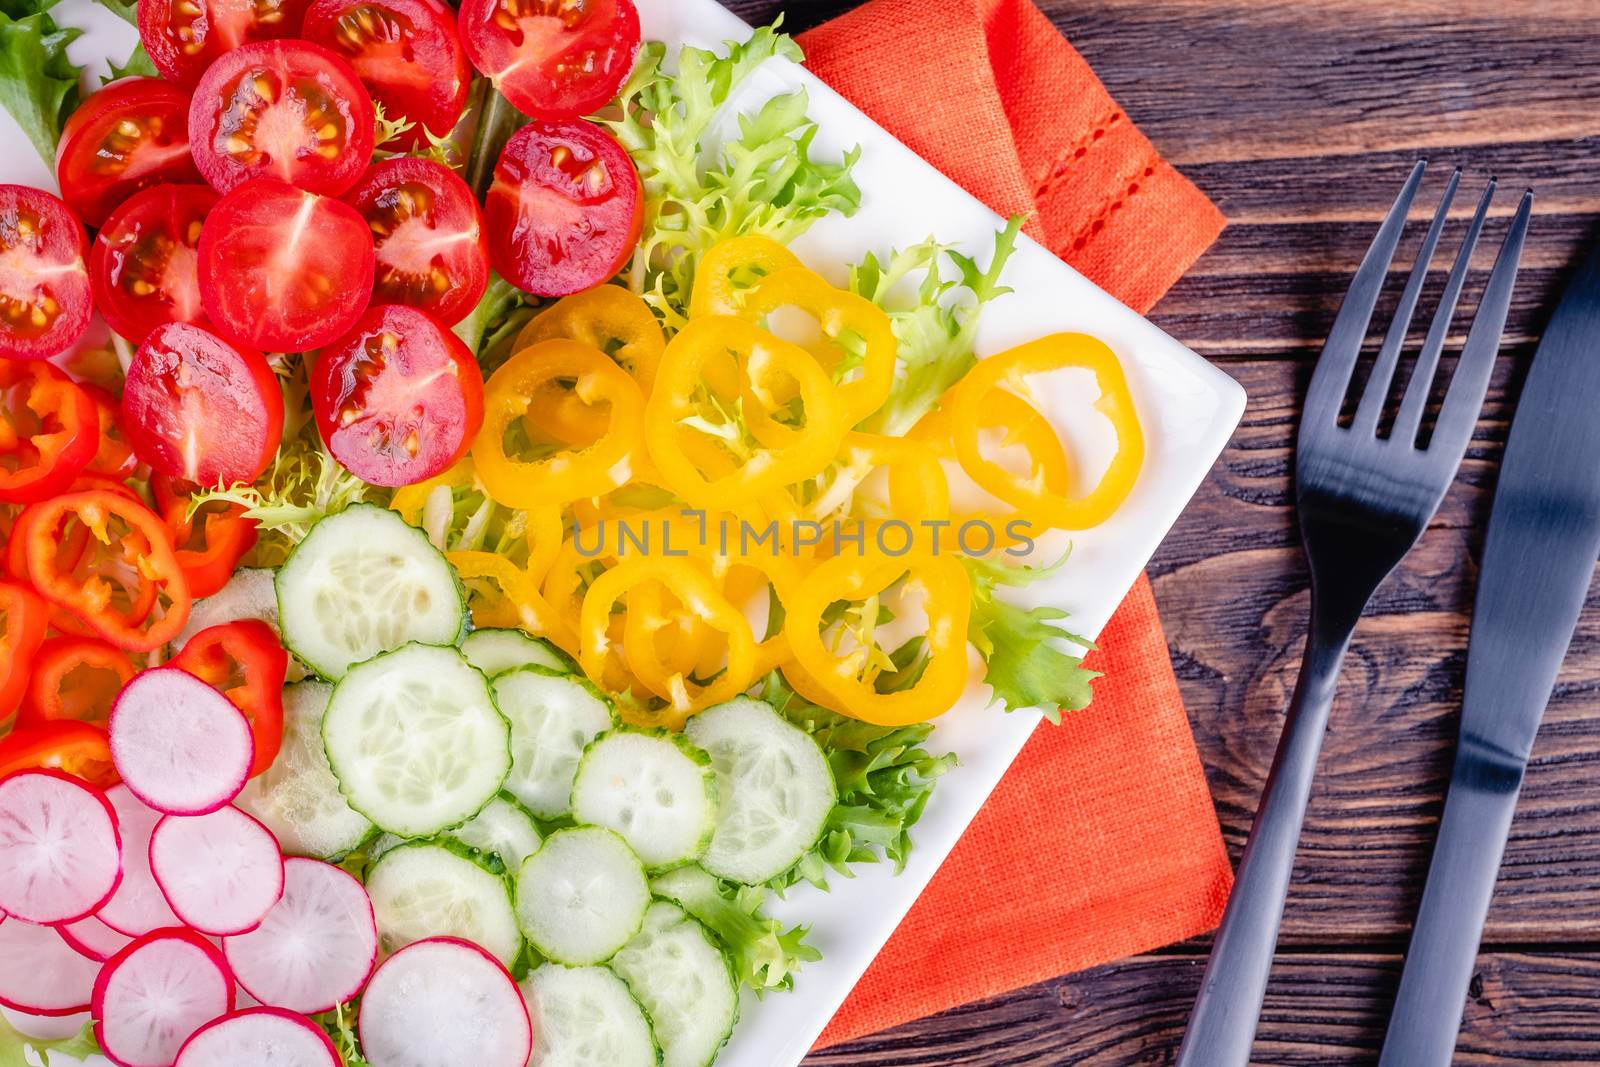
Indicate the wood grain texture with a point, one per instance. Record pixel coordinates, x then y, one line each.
1301 119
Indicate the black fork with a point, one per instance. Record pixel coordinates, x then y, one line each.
1363 500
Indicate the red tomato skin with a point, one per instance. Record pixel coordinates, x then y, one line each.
264 236
227 123
199 408
399 399
96 153
548 235
38 230
162 222
213 32
597 58
408 55
412 204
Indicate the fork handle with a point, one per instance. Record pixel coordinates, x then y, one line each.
1222 1027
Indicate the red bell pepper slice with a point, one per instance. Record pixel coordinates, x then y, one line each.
74 678
114 458
246 661
23 616
208 549
77 748
49 430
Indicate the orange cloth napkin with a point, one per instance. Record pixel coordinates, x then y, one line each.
1102 840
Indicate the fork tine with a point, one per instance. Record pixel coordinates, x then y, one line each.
1462 402
1377 387
1330 380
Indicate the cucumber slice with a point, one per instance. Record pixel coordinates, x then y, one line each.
249 594
652 787
586 1017
581 896
415 741
298 798
504 829
497 651
777 789
674 967
552 718
363 582
425 889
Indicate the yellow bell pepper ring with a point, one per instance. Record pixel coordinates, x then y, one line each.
518 601
567 474
1007 372
728 269
846 676
607 317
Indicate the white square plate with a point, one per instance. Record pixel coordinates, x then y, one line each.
1188 408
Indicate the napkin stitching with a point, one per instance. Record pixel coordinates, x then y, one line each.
1075 152
1134 181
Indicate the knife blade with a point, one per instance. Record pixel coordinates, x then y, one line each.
1538 558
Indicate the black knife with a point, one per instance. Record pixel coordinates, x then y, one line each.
1538 557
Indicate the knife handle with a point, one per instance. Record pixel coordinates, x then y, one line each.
1455 902
1222 1027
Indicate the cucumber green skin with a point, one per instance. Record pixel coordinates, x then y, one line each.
696 755
568 666
733 982
378 829
486 864
547 825
277 584
648 1023
542 950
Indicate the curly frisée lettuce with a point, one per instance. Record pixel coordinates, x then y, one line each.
19 1050
763 182
1024 663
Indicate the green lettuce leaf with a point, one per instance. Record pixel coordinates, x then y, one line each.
126 11
38 83
14 1047
138 63
765 955
499 316
1024 663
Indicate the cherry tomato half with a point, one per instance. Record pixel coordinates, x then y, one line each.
49 431
284 270
564 210
44 282
428 234
130 135
198 408
183 37
289 110
552 58
406 52
400 399
144 263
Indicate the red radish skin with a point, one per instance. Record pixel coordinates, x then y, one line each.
60 851
443 978
221 873
180 745
44 1027
151 996
137 907
40 973
315 948
259 1037
93 939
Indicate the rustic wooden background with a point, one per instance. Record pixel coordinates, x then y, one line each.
1300 118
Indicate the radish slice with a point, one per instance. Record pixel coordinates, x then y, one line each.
180 745
92 938
221 873
60 854
315 947
44 1027
156 992
137 907
40 973
260 1037
426 996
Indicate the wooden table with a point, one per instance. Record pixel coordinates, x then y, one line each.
1300 118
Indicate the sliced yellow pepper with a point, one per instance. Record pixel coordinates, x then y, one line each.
728 269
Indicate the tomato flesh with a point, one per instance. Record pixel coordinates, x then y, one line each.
408 55
289 110
428 237
552 59
184 37
44 282
565 208
284 270
129 136
400 399
144 265
199 408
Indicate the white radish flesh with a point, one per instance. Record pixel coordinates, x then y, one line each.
315 947
94 939
44 1027
432 998
156 992
179 744
259 1037
40 973
60 854
137 907
221 873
